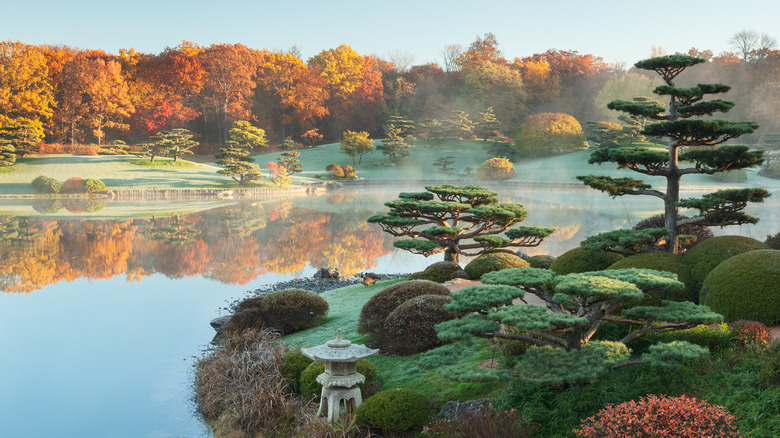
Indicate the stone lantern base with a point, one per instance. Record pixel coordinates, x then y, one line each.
331 399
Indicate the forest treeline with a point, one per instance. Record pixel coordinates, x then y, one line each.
89 96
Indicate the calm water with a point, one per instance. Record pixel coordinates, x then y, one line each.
101 317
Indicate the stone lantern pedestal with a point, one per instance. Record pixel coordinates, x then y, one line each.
340 379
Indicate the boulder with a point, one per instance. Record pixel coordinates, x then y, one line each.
220 323
455 408
327 273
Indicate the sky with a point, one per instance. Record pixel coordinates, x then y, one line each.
619 31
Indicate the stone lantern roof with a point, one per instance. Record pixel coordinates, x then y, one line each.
338 350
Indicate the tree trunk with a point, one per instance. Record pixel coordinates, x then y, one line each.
451 256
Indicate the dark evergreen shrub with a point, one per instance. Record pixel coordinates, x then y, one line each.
582 260
293 364
409 329
770 368
746 286
440 272
541 261
289 310
773 242
376 310
494 261
702 258
394 410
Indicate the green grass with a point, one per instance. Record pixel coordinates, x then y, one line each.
395 371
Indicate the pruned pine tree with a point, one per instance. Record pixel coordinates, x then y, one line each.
18 140
487 124
561 332
463 220
459 125
677 122
394 145
291 163
238 164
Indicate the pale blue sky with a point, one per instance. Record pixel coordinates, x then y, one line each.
616 30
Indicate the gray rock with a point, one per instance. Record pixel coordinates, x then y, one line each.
220 323
327 273
455 408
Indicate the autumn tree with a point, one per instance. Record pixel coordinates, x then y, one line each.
311 137
463 220
483 49
356 144
562 331
752 46
341 70
26 93
229 84
498 86
459 125
450 55
723 207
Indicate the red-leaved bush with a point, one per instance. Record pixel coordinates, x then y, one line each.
658 416
750 333
72 185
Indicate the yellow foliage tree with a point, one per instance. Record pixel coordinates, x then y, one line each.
26 93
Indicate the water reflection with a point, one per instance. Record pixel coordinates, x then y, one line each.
232 245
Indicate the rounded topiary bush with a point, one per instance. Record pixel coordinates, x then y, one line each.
702 258
394 410
376 310
583 260
409 329
92 185
440 272
72 185
746 286
660 416
289 310
45 184
309 387
547 134
497 168
494 261
293 364
659 261
541 261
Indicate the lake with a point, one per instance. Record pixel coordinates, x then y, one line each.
102 315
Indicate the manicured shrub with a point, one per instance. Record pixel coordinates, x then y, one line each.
47 206
746 286
714 338
45 184
293 364
497 168
548 134
409 329
440 272
541 261
494 261
702 258
376 310
660 416
289 310
336 170
747 333
349 171
731 176
701 233
583 260
91 185
659 261
394 410
309 387
72 185
773 242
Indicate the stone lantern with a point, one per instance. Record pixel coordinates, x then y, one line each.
340 379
